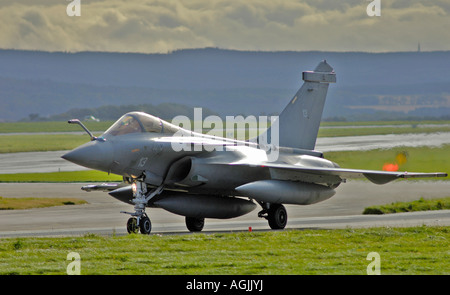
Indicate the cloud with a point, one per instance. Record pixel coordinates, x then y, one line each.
166 25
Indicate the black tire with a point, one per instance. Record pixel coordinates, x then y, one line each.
277 216
145 225
132 226
195 224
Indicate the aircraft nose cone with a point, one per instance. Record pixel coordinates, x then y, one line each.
94 155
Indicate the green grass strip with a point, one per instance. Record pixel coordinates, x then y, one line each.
29 203
416 250
418 159
68 176
419 205
59 126
41 142
55 142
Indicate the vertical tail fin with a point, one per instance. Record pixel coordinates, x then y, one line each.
299 122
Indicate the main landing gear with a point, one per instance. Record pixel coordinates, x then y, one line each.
275 214
194 224
139 220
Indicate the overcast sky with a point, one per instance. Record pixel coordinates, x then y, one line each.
150 26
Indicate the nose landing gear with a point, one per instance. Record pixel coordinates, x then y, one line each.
140 220
144 225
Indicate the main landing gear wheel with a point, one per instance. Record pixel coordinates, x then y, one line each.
195 224
132 226
277 216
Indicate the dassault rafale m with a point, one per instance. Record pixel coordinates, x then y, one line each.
215 177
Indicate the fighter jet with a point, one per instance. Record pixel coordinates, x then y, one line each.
212 177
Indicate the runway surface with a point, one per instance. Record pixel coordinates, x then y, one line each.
34 162
101 215
368 142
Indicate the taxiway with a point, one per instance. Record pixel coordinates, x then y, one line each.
101 216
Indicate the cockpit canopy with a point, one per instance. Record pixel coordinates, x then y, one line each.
137 122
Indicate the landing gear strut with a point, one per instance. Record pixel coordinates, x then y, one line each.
275 214
139 220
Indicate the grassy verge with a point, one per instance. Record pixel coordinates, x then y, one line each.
41 142
419 205
418 159
54 142
418 250
70 176
29 203
60 126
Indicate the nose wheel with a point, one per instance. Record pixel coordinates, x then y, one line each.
145 225
132 226
139 220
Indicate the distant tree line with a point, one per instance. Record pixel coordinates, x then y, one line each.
165 111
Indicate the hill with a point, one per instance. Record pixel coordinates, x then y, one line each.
370 85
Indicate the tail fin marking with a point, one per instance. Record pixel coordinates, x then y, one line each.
298 123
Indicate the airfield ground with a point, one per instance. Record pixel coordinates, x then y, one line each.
412 250
97 230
